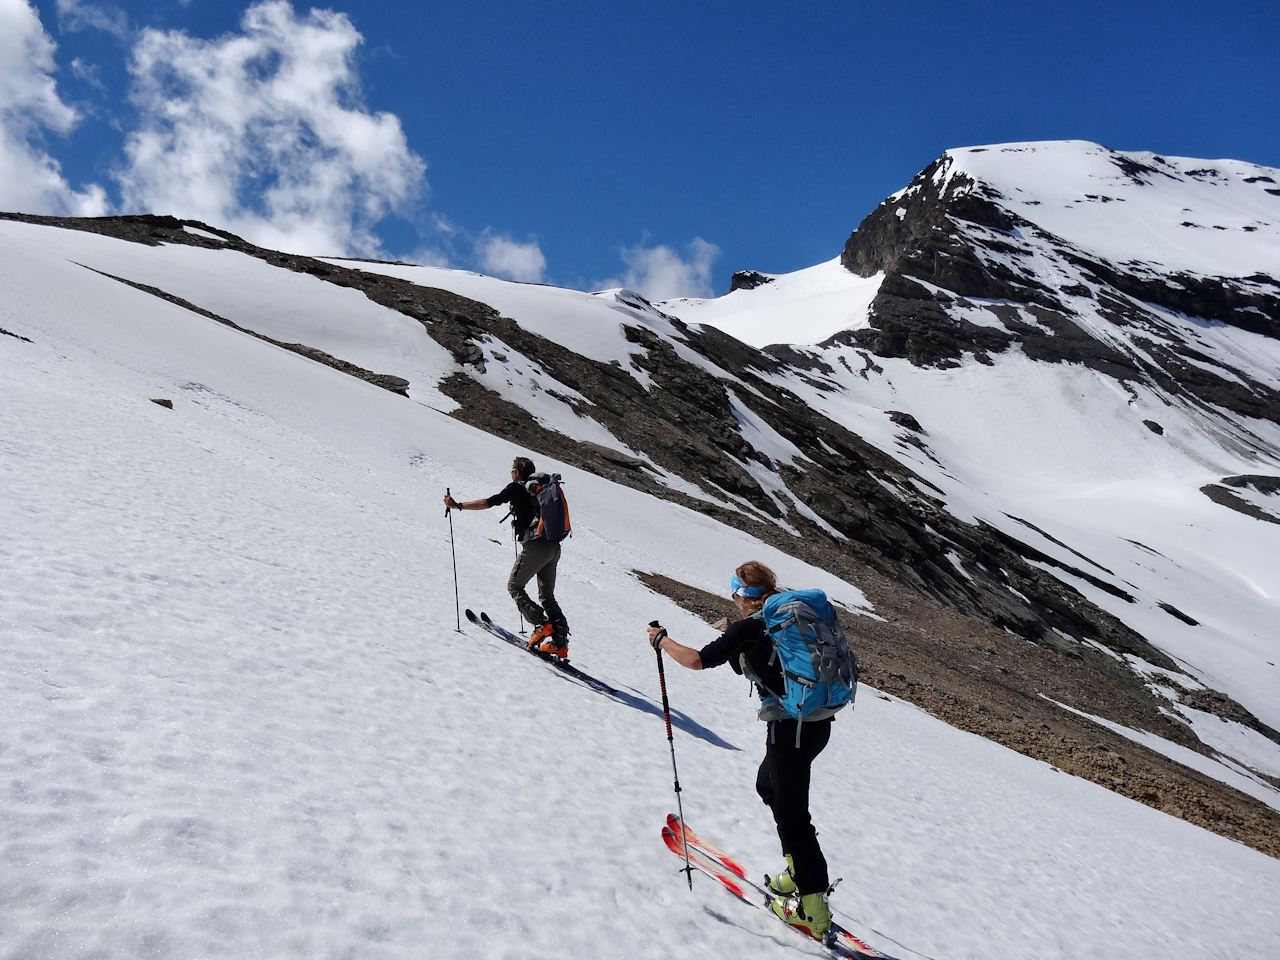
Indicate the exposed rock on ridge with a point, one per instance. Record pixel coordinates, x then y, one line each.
947 240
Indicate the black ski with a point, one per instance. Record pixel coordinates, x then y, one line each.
484 623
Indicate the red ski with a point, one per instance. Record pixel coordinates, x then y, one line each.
725 869
696 841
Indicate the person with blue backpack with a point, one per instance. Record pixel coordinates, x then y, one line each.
540 518
790 645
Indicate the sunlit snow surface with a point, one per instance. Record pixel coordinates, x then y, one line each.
236 721
1213 218
804 307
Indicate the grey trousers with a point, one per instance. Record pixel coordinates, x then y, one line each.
538 558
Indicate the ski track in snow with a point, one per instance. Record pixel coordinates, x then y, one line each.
236 721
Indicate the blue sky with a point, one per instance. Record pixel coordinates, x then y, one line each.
660 144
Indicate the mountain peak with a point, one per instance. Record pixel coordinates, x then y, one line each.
1177 214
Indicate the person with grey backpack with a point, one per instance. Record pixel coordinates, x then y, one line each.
540 518
790 645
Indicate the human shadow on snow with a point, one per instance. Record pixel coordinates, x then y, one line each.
637 701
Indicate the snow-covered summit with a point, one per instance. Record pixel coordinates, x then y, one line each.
805 306
1208 217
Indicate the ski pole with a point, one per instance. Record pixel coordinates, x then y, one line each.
515 546
457 602
671 740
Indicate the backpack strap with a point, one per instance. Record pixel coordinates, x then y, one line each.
761 687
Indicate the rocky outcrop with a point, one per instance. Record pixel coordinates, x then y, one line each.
748 280
947 241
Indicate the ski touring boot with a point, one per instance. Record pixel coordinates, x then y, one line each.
809 913
546 639
782 884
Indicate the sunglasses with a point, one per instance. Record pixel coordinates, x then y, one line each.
739 589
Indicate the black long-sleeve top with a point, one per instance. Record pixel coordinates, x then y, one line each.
745 637
523 510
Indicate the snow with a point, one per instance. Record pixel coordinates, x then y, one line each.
1245 783
1096 480
236 721
757 432
1233 739
524 380
591 324
1071 187
804 307
204 233
268 300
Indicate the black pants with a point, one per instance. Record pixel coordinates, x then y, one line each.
783 783
538 558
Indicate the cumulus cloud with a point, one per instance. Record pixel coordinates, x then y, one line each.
661 273
263 132
76 15
31 181
504 257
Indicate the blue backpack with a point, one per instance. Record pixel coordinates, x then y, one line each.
819 668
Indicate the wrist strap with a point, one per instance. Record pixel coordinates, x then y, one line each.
658 638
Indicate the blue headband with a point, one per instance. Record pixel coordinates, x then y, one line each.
741 590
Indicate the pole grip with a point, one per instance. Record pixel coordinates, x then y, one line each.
666 705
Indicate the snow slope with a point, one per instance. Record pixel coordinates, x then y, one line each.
1218 218
803 307
236 721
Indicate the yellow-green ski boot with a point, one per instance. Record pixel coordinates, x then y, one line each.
784 883
810 913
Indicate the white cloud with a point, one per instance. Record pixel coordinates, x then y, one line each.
263 132
31 181
87 73
75 15
503 257
429 256
660 273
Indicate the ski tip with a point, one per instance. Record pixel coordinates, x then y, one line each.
471 615
674 842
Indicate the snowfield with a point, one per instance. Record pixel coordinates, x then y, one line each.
1213 218
236 719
